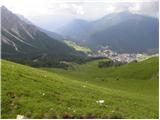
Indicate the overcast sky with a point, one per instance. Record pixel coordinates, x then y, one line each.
45 11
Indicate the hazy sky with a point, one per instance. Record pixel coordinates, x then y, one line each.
46 11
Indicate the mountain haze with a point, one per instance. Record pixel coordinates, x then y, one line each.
123 32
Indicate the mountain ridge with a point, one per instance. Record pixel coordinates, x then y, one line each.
95 36
25 42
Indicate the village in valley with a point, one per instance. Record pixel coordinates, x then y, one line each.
106 52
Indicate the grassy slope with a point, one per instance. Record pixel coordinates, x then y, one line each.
41 94
135 80
129 76
77 47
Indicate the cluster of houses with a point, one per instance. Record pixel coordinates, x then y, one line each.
121 57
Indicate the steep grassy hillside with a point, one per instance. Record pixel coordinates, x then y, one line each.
36 93
77 47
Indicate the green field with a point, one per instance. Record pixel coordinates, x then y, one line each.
77 47
128 91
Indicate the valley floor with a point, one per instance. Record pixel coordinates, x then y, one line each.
82 91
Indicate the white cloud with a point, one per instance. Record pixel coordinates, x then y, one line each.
51 14
64 6
111 9
86 9
72 8
135 8
28 7
75 7
78 8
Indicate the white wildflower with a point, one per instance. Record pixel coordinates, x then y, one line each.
100 101
112 111
20 117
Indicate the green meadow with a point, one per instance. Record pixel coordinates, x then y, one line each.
82 91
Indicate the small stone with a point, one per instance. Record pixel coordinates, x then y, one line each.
20 117
100 101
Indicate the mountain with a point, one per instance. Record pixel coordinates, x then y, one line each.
52 34
26 43
127 33
75 30
24 19
123 32
49 33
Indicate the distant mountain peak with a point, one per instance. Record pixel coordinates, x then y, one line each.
123 32
3 7
125 12
24 19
